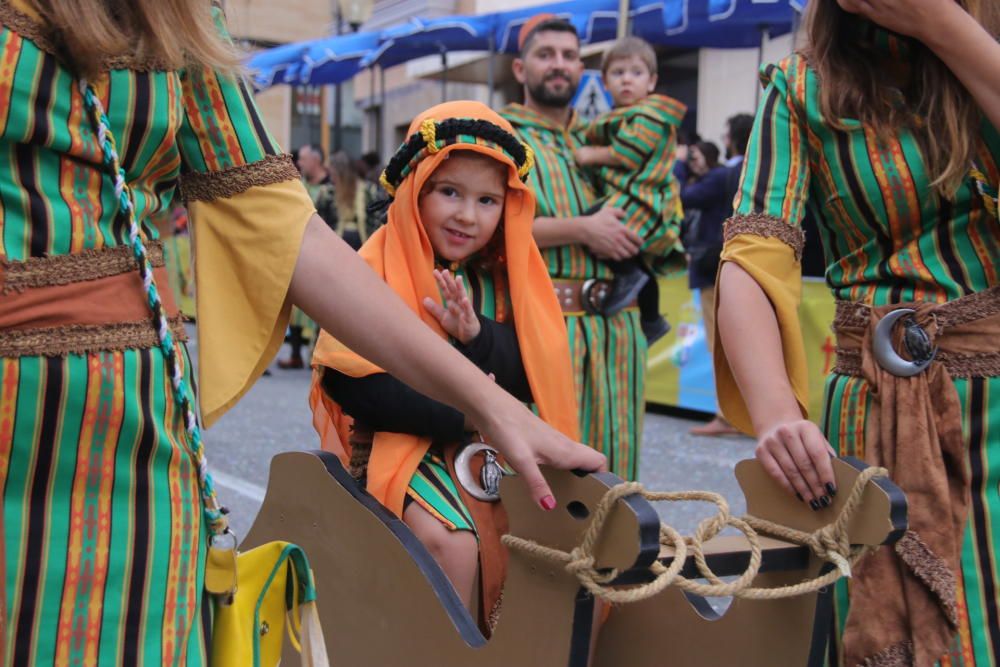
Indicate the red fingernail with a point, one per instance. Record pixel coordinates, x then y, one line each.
548 503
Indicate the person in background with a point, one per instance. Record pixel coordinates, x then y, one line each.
309 160
609 353
352 197
632 148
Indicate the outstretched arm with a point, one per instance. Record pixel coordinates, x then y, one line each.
335 287
953 35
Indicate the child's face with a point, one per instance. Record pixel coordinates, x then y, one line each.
629 80
462 203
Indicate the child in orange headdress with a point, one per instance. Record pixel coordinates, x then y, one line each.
458 250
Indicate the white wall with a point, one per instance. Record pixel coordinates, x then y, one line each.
728 83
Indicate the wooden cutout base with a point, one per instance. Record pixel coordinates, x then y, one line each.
384 602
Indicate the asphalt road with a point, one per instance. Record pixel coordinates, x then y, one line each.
274 416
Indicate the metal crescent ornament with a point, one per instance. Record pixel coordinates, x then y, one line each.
469 481
886 355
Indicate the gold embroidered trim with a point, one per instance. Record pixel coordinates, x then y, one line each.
932 570
985 365
84 338
30 29
235 180
73 268
767 226
897 655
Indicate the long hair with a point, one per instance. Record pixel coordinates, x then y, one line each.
345 179
170 33
935 105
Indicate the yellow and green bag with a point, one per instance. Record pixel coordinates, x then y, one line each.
274 588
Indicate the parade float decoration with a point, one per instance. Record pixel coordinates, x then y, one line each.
385 602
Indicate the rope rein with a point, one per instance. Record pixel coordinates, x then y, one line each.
217 522
831 543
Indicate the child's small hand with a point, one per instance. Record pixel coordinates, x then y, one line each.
457 318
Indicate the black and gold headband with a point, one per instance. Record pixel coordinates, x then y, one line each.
434 135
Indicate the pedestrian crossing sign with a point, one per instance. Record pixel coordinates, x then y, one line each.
592 99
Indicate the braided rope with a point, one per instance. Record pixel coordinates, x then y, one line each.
217 522
989 194
830 543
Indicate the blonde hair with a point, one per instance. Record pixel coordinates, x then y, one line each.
936 107
626 48
168 33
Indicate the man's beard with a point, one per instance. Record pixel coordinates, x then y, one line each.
541 95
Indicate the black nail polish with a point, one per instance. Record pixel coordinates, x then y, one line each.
831 488
799 496
814 505
825 501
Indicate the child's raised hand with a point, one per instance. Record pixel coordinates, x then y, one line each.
457 318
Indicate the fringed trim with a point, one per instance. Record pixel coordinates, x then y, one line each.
932 570
230 182
897 655
72 268
84 338
766 226
42 37
985 365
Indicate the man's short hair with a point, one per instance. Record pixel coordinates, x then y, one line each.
628 47
532 27
740 127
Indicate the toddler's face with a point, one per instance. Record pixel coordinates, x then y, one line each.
629 80
462 203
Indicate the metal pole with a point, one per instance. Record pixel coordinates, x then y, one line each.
490 73
622 18
381 111
337 120
444 74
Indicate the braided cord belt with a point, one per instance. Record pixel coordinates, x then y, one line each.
217 522
830 543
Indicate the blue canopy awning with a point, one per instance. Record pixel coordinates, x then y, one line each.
681 23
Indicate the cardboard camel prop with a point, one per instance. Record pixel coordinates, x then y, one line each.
384 601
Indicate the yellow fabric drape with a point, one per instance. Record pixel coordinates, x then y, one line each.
246 247
772 264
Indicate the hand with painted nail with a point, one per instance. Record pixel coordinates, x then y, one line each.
797 456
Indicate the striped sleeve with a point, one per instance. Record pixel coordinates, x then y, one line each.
225 147
249 211
764 238
774 185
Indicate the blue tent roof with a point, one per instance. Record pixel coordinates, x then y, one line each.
682 23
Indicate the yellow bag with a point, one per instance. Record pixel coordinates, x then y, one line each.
275 587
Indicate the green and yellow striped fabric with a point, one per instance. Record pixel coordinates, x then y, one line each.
888 238
644 137
103 534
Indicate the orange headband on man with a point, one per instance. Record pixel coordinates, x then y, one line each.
530 26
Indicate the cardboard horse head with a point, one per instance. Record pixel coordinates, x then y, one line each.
384 601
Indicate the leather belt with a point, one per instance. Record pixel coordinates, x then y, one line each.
583 297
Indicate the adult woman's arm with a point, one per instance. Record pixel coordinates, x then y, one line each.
792 449
955 37
335 287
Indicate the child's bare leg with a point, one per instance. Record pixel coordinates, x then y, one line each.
456 551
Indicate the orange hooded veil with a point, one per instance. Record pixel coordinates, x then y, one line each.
401 253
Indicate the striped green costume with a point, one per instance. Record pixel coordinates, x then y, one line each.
887 239
643 137
432 485
103 530
609 353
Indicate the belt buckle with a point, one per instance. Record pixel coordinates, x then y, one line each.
915 339
487 488
590 300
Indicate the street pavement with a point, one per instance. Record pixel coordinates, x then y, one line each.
274 416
